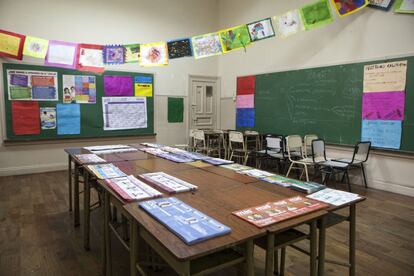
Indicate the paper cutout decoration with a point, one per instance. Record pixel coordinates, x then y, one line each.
118 86
154 54
114 54
246 85
62 54
25 118
384 77
206 45
35 47
245 117
234 38
68 119
132 53
381 133
381 4
11 44
288 24
404 6
79 88
316 14
90 58
347 7
179 48
175 110
143 86
245 101
383 106
261 29
48 117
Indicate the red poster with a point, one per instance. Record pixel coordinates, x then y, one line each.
43 81
11 44
272 212
246 85
90 58
25 117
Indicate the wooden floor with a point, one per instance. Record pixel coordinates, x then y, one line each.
37 236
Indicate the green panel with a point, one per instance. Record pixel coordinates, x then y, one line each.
91 114
175 110
326 101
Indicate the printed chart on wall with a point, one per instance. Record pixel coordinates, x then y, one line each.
124 112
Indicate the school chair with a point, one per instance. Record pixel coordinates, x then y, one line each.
238 147
274 149
190 143
200 144
298 161
307 140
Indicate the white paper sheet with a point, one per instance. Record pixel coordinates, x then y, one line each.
124 112
334 197
288 23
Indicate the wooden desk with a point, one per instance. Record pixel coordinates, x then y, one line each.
242 178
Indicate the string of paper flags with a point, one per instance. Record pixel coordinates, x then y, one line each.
93 58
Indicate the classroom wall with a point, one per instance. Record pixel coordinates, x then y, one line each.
109 22
367 35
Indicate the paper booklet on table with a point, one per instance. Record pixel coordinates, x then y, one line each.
89 158
307 187
334 197
104 171
167 182
236 167
217 161
272 212
152 145
187 223
130 188
256 173
110 149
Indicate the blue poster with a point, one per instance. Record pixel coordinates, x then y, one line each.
143 79
68 119
382 133
44 93
245 117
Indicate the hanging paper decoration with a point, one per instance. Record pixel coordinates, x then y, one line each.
35 47
132 53
316 14
206 45
234 38
62 54
261 29
11 44
179 48
288 24
114 54
404 6
154 54
381 4
90 58
346 7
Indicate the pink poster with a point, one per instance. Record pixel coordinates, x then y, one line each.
245 101
383 106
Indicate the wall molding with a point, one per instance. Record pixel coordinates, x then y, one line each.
8 171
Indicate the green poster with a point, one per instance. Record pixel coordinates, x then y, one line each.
234 38
175 110
20 93
316 14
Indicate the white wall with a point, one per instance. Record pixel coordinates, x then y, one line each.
109 22
367 35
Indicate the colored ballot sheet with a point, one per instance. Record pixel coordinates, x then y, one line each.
385 77
175 110
316 14
68 119
118 86
245 101
25 117
383 106
246 85
382 133
245 117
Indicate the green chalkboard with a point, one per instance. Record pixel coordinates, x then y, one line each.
325 101
91 114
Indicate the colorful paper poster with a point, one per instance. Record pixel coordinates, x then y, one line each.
245 117
124 112
132 53
246 85
89 158
383 106
25 118
32 85
118 86
114 54
168 183
175 110
68 119
245 101
179 48
79 88
347 7
35 47
154 54
48 117
404 6
384 77
316 14
234 38
261 29
106 171
381 133
143 89
62 54
288 24
11 44
206 45
131 189
381 4
90 58
334 197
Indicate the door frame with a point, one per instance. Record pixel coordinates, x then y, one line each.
217 104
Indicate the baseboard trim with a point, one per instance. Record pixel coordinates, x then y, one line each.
32 169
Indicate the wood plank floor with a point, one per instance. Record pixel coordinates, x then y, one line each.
37 236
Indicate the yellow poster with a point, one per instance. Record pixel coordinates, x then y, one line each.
35 47
143 89
9 44
385 77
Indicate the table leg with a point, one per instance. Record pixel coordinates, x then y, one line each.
133 247
86 210
76 196
352 233
107 234
270 251
313 248
321 250
249 258
70 181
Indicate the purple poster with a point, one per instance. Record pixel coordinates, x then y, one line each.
383 106
19 80
118 86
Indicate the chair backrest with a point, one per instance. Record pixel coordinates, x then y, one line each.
294 144
274 142
236 137
307 140
199 138
318 150
361 151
